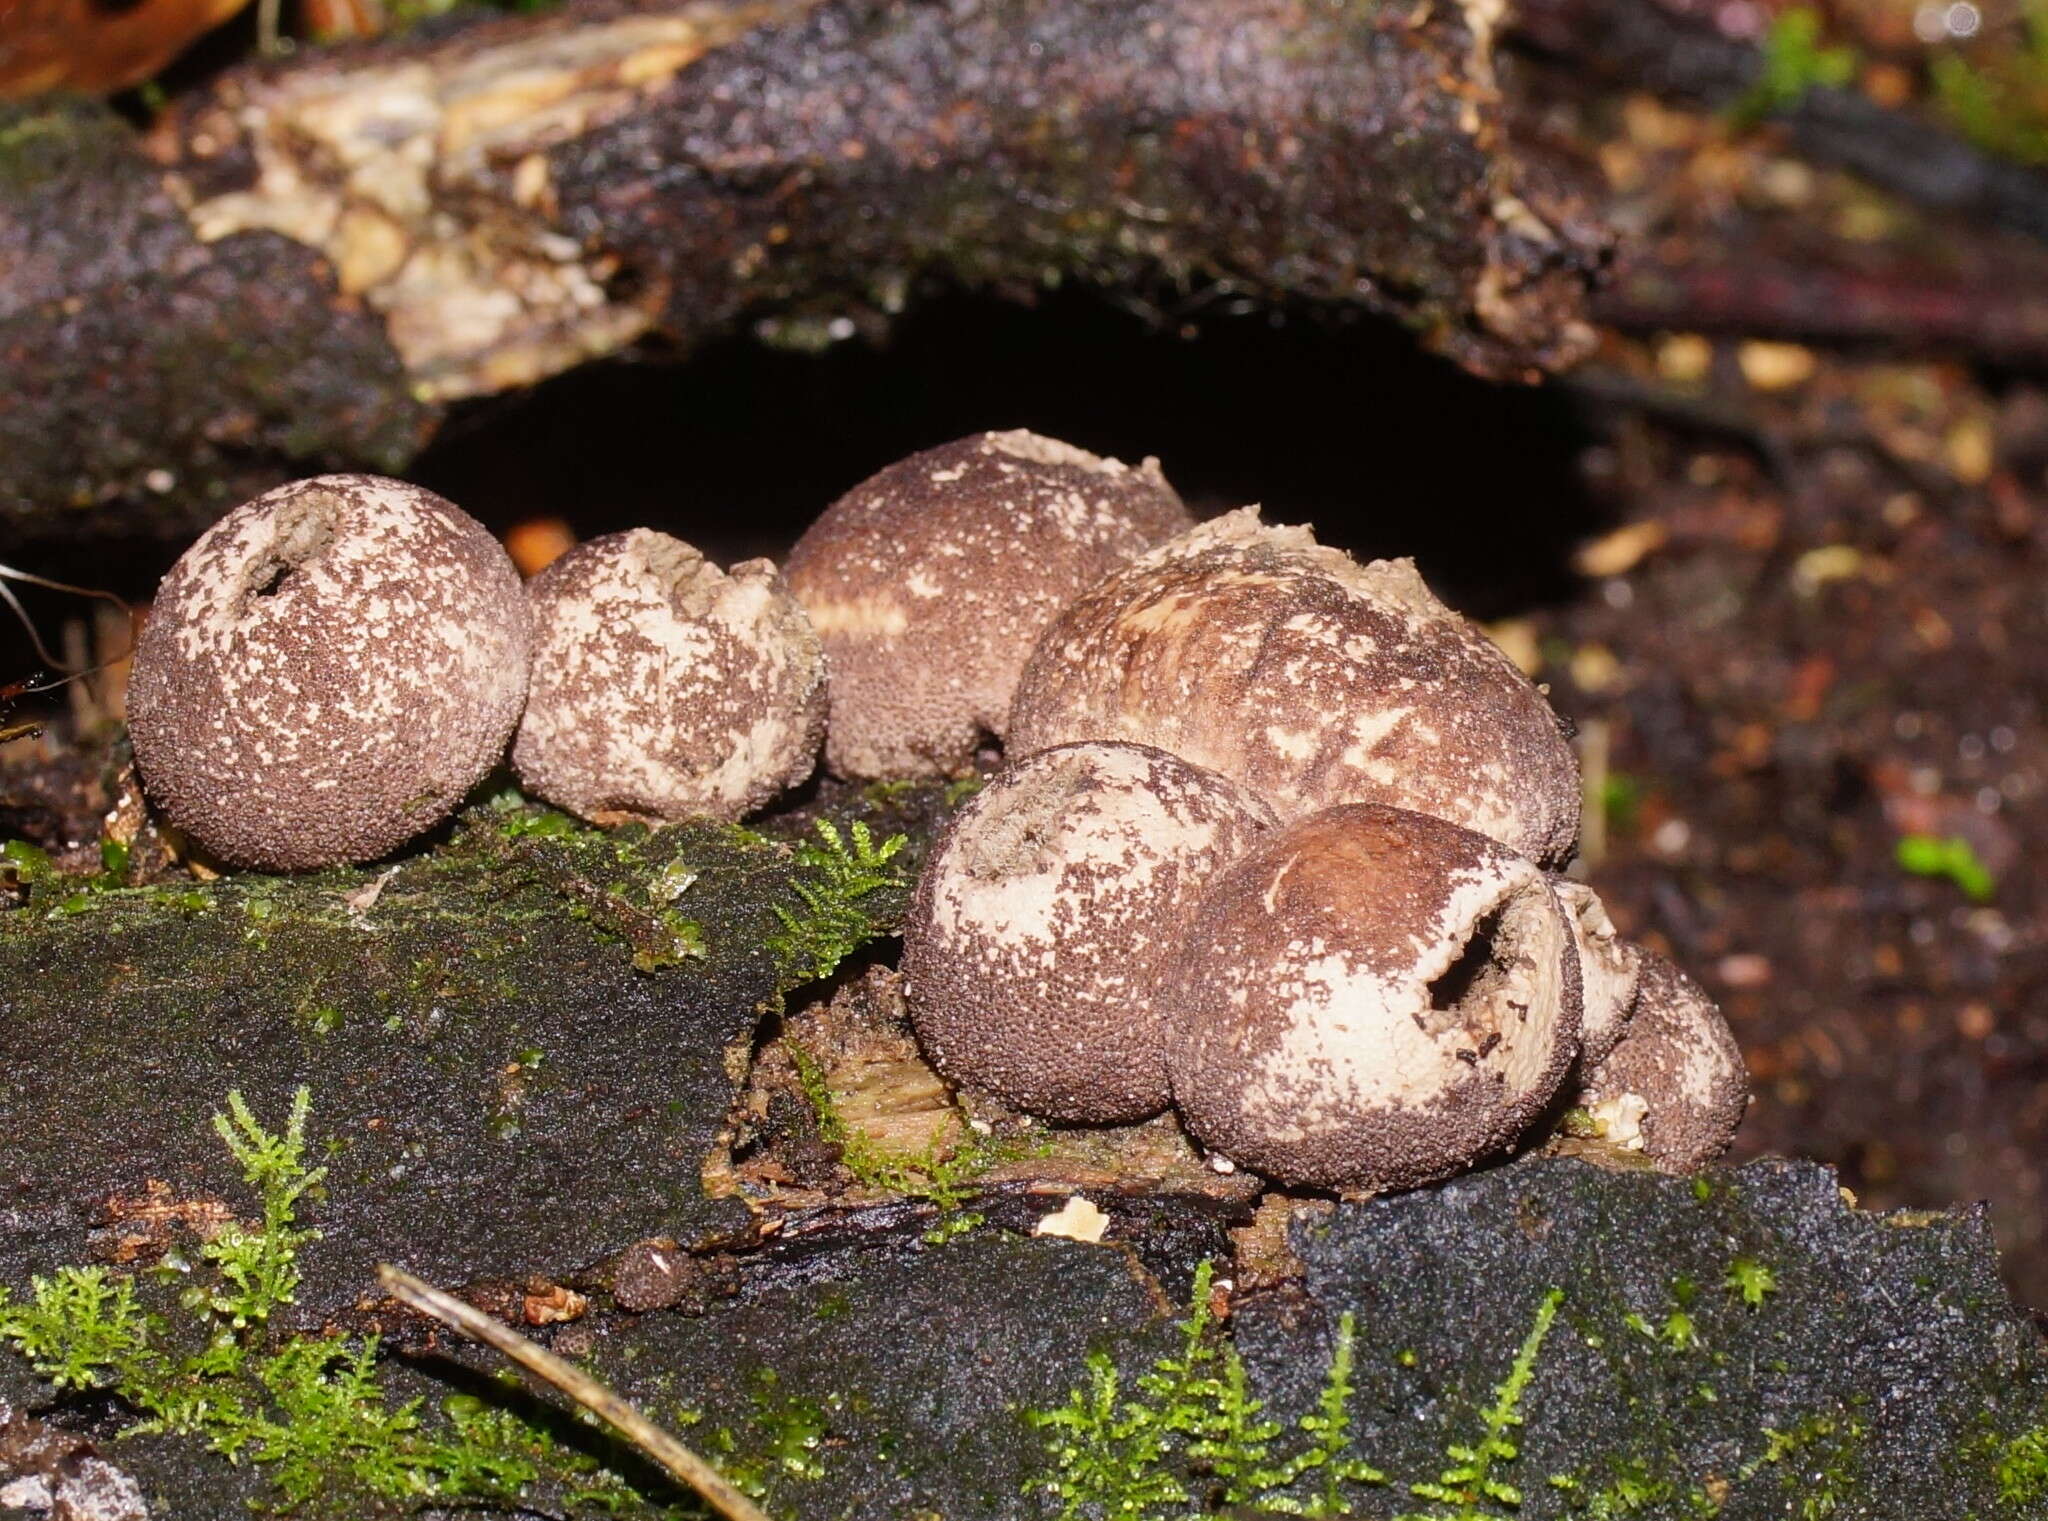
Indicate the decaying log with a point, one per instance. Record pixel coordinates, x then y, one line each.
138 363
317 257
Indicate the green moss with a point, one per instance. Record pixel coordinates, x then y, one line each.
1680 1331
1192 1438
629 884
944 1175
1815 1460
627 896
1580 1123
1193 1435
1953 859
783 1439
1994 94
2022 1467
836 875
886 793
31 870
1631 1491
1750 1281
310 1411
958 792
1471 1479
1795 61
25 864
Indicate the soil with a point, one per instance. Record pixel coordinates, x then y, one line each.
1814 663
1816 632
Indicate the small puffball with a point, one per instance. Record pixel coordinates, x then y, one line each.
1675 1087
1311 679
326 672
929 581
663 687
1044 917
1608 967
1370 999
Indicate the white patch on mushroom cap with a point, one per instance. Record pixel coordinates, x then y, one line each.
1307 677
1355 1037
872 616
1609 967
1044 916
1020 864
663 687
1021 443
929 581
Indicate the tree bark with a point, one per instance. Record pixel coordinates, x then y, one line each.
315 259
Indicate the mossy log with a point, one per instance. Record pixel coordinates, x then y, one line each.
522 1047
303 265
527 1045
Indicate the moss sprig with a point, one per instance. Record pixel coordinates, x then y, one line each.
1471 1479
259 1268
310 1411
1193 1435
836 874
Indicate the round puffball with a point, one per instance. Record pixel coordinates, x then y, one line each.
326 672
663 687
1043 920
1370 999
1310 679
1675 1086
929 581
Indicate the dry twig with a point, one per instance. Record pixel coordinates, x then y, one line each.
685 1465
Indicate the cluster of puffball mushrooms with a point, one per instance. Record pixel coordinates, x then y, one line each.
1275 843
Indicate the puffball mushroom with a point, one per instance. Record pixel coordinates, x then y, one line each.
1675 1087
1609 969
1370 999
1044 918
326 672
929 581
662 687
1311 679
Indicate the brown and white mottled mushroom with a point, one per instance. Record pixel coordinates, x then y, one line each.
1370 999
929 581
327 671
663 687
1308 677
1044 917
1609 969
1675 1087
